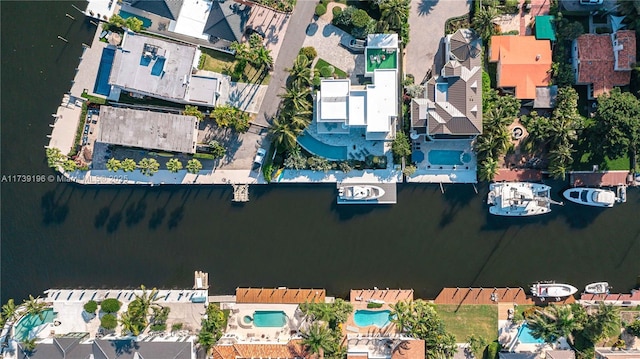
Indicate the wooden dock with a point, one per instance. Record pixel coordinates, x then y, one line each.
200 280
600 179
240 192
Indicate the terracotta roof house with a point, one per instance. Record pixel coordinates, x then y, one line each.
604 61
385 348
290 350
453 104
524 64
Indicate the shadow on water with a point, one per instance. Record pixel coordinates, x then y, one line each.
157 217
457 197
54 210
101 217
136 212
347 212
114 222
175 217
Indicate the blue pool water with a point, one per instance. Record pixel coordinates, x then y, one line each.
269 318
29 322
321 149
525 337
364 318
102 86
448 157
146 23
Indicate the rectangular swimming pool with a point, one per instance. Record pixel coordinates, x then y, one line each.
102 86
448 157
269 318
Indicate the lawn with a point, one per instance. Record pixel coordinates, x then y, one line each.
584 160
519 310
337 72
223 63
464 320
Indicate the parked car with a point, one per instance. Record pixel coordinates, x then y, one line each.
260 156
353 45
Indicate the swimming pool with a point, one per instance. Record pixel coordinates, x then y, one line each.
30 322
146 23
102 86
322 149
525 337
364 318
269 318
448 157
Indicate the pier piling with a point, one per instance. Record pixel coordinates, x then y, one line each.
62 38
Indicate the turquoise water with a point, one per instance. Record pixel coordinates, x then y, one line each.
364 318
102 86
146 23
28 322
525 337
448 157
269 318
321 149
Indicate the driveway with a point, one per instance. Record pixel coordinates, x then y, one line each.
427 18
325 38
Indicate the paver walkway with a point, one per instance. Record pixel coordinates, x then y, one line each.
325 38
427 18
294 38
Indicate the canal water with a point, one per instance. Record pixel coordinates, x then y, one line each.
66 235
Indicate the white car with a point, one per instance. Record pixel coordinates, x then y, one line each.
260 156
591 2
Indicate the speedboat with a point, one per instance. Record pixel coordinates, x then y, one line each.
360 193
597 288
558 290
595 197
519 199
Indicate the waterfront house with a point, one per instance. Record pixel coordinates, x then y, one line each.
452 107
524 64
149 66
602 61
147 130
292 350
339 106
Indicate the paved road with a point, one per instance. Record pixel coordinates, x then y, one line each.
427 18
293 40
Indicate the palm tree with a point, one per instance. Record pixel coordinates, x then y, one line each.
488 169
395 13
148 166
483 23
146 300
241 50
174 165
298 119
114 165
194 166
401 315
284 135
206 339
128 165
297 99
9 310
29 345
34 306
604 323
132 323
262 57
300 73
317 339
554 322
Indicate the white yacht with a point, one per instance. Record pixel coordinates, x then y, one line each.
517 199
360 193
595 197
551 289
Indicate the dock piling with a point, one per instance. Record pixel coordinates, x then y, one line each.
69 16
62 38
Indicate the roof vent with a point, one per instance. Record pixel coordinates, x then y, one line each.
538 57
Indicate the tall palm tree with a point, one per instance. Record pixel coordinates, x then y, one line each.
148 166
9 310
395 12
300 73
29 345
262 58
128 165
284 135
35 306
401 314
483 23
194 166
604 323
317 339
206 339
174 165
488 169
297 99
146 300
298 119
241 50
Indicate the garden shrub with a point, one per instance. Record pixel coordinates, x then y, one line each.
91 306
158 327
108 321
327 71
321 9
176 327
492 350
374 305
204 156
110 305
337 10
310 52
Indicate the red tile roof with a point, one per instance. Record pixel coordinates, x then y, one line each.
291 350
596 60
523 63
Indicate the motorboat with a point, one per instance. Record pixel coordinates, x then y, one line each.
595 197
597 288
360 193
552 289
517 199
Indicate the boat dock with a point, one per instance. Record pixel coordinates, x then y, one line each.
390 193
517 174
240 192
200 280
600 179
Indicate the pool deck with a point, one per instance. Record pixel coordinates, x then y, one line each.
359 298
239 332
431 173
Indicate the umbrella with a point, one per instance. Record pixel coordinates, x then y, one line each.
115 39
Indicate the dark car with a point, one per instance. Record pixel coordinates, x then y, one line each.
353 45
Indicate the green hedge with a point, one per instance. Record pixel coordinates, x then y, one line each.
321 10
374 305
91 306
110 305
108 321
204 156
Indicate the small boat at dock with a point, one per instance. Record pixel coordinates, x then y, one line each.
596 197
552 289
597 288
360 193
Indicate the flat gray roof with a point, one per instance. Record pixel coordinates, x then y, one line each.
153 66
203 89
146 129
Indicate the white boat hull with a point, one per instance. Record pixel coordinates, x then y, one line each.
360 193
552 290
597 288
594 197
519 199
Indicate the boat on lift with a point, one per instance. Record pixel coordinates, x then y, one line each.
596 197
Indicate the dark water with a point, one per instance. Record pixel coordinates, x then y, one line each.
69 235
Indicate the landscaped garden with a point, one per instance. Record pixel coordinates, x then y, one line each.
325 69
251 62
